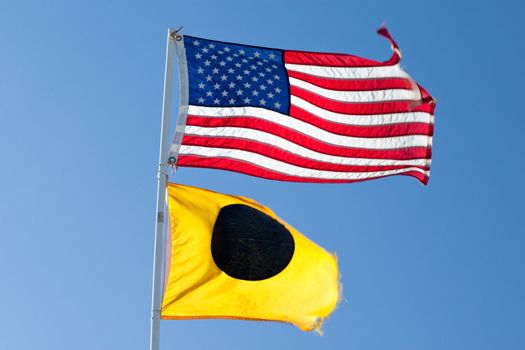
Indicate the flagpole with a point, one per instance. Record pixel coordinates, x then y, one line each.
162 179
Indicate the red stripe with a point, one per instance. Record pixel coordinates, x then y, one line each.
284 156
427 98
323 147
396 57
388 130
253 170
252 122
383 107
342 60
329 59
353 84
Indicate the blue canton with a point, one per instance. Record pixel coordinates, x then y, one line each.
231 75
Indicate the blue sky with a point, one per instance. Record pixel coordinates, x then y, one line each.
436 267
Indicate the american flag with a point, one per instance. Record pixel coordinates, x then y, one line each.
300 116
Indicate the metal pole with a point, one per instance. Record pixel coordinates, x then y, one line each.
162 177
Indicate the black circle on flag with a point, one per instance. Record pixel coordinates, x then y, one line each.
250 245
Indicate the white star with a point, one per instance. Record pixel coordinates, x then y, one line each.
211 46
222 63
205 49
207 63
201 85
268 70
227 49
272 56
216 101
262 102
255 79
270 95
231 85
200 70
238 65
198 56
208 78
244 60
232 101
215 70
247 85
247 100
276 77
277 105
274 66
201 100
263 87
246 71
214 57
242 52
257 54
253 66
220 52
229 58
277 90
270 81
225 93
196 43
239 77
239 92
259 63
255 93
217 86
261 74
231 71
209 94
224 77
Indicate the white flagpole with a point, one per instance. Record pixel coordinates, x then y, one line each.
162 177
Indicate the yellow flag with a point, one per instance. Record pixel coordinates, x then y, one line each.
231 257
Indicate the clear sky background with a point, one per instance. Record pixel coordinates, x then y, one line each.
436 267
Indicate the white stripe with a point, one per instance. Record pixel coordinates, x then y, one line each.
350 72
335 140
290 147
364 120
346 119
358 96
308 130
284 168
